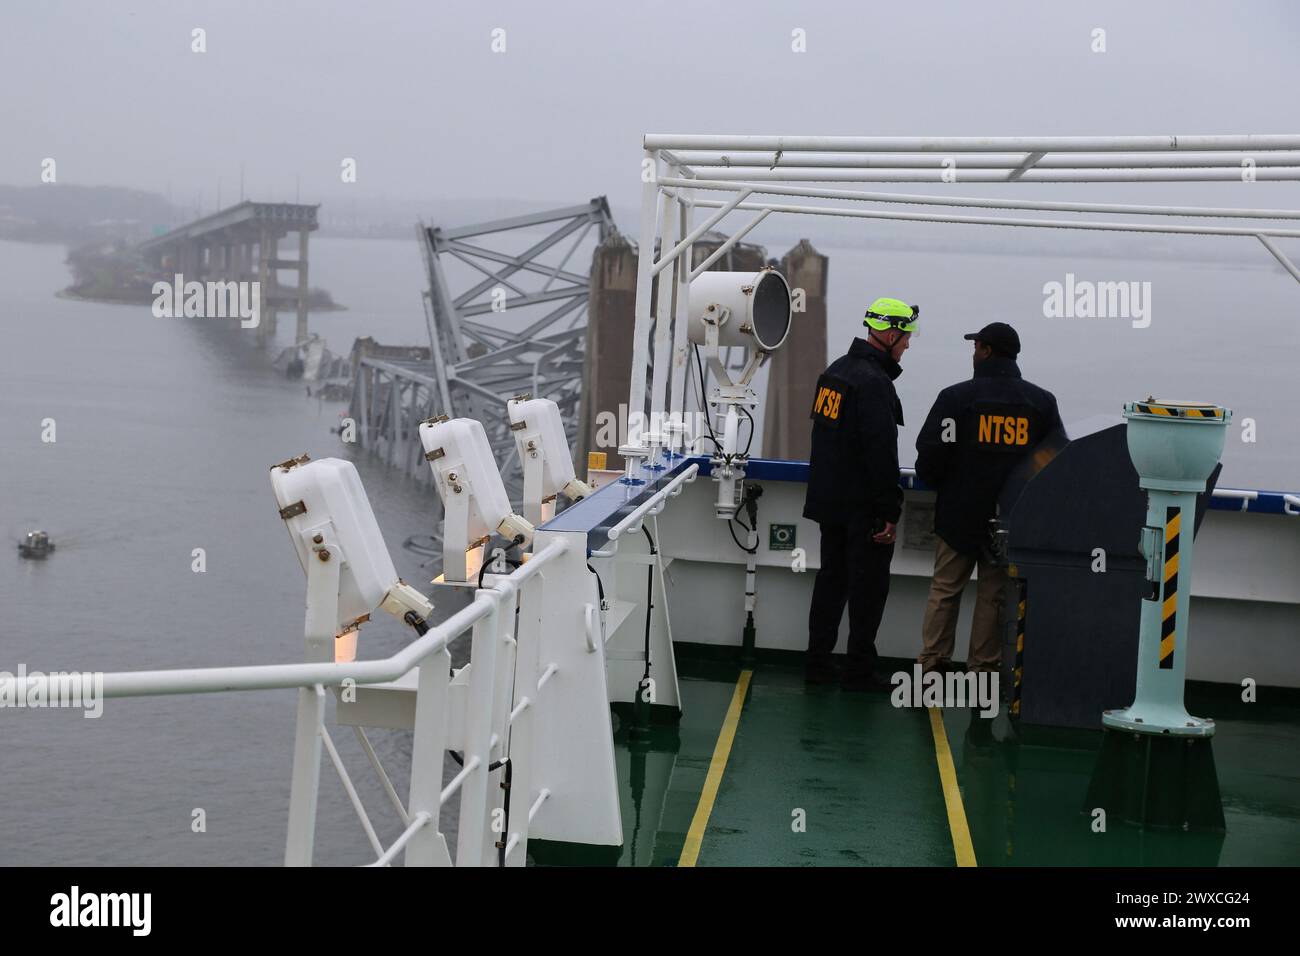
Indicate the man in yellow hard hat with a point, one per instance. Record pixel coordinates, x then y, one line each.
854 494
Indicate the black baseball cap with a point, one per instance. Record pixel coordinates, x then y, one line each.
1000 336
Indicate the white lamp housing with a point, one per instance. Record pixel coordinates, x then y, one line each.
749 309
341 549
752 310
545 456
473 496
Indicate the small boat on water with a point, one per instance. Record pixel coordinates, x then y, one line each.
36 544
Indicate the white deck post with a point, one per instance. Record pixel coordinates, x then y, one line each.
681 362
319 630
669 222
428 847
522 729
474 827
641 324
305 786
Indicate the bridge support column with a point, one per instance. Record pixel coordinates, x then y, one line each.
266 252
301 333
263 278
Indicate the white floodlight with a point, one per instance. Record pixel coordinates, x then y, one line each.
349 571
545 456
473 497
751 310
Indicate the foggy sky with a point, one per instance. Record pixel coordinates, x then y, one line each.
414 93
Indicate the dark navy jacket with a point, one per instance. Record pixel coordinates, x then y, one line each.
975 435
853 467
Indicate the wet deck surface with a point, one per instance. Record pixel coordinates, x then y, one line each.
821 777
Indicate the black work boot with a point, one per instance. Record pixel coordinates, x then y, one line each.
866 682
820 670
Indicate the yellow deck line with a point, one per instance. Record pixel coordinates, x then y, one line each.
961 843
717 766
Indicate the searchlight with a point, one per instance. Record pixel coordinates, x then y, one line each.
350 573
545 456
752 311
473 496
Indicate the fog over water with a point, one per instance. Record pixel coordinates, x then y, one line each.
166 427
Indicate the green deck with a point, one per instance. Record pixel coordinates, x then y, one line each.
865 776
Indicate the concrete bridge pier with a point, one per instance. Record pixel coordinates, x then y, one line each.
266 249
220 247
301 333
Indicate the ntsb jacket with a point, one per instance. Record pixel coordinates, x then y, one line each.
976 433
853 466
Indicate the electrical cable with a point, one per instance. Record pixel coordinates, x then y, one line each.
708 423
737 540
745 411
649 601
750 504
514 543
600 585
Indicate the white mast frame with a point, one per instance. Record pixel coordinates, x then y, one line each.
759 171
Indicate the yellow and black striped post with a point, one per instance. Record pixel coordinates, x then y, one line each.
1022 589
1156 765
1174 447
1169 590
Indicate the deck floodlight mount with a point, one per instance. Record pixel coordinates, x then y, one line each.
750 310
545 456
473 496
1156 766
349 570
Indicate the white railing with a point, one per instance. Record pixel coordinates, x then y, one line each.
648 508
491 724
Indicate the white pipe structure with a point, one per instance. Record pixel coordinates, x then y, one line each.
1004 161
972 144
990 202
956 172
423 844
760 170
651 506
1193 230
670 490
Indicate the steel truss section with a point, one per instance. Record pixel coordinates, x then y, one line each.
520 328
501 322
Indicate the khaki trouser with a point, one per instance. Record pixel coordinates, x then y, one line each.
952 569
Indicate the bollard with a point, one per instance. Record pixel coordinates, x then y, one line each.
1156 768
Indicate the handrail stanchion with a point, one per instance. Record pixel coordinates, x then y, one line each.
427 846
522 728
474 819
305 785
656 501
422 841
502 693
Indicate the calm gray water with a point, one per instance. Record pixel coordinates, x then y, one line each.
166 429
165 432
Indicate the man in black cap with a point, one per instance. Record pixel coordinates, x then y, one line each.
976 433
